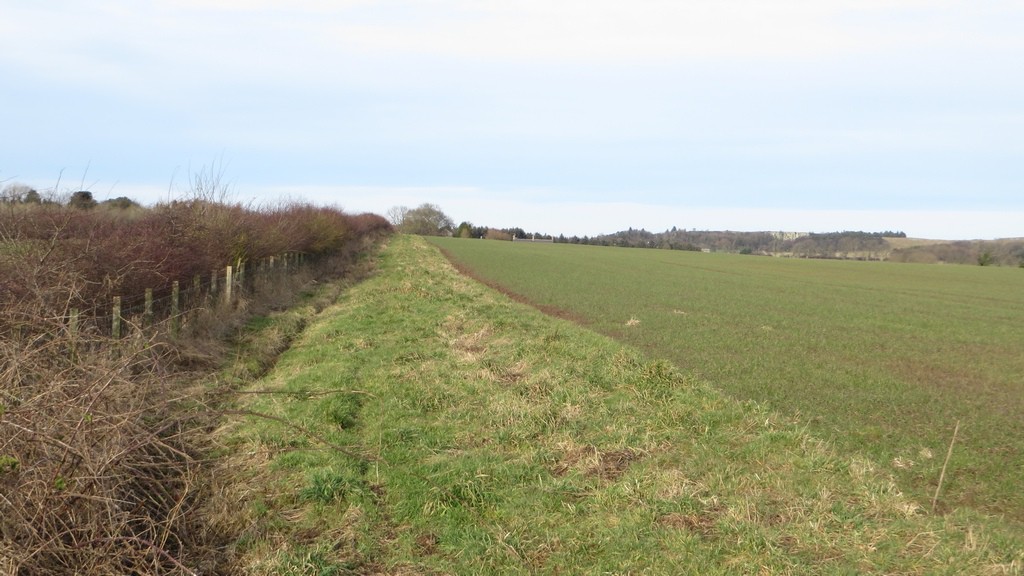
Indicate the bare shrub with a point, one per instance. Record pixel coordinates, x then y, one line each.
97 475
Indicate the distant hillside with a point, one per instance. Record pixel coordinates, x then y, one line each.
847 245
1004 252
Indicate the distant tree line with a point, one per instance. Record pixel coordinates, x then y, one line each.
430 220
468 230
83 199
848 244
840 245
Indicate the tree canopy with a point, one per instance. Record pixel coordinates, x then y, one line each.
425 220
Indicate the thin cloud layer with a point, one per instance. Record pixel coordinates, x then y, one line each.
905 105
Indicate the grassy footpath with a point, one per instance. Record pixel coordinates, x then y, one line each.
427 425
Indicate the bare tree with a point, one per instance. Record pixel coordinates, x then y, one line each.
20 194
426 220
396 215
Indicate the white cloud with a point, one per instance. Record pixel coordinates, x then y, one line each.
277 37
598 31
605 31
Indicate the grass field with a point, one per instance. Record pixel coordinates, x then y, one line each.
426 424
882 359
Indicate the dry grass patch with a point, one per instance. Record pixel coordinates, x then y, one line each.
704 523
608 465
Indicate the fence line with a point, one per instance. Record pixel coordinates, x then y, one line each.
224 288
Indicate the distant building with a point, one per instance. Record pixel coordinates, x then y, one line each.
789 235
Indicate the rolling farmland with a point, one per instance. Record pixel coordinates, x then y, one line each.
881 359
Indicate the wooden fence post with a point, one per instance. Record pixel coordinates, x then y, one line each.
197 285
227 285
73 330
73 322
115 323
175 308
213 283
147 314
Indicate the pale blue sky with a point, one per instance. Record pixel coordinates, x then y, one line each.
565 116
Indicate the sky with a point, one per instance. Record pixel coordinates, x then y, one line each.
577 117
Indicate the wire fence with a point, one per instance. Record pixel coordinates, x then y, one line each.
169 306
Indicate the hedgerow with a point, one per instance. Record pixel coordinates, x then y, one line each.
102 442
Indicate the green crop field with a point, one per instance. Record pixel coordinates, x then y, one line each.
881 359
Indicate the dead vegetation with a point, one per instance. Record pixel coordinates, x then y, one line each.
608 465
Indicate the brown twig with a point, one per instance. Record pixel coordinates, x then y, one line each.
942 475
153 547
